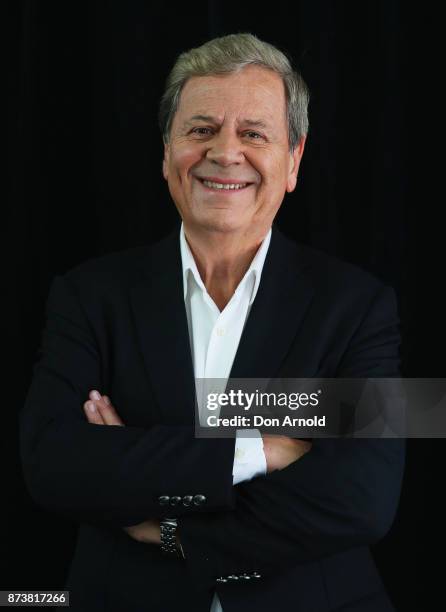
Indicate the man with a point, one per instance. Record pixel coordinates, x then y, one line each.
169 521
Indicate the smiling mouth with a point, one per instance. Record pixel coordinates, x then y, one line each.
224 188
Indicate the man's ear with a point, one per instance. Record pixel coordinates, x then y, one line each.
166 161
295 158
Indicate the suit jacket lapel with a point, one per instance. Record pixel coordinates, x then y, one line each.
277 312
160 317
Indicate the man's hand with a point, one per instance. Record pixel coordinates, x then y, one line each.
280 451
100 411
148 532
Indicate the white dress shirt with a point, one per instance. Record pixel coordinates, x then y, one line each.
214 338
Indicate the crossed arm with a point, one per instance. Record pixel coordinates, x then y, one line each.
280 451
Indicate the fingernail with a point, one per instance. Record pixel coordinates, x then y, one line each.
91 407
106 400
95 395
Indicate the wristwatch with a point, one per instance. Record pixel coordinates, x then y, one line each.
169 544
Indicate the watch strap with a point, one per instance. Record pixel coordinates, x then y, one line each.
169 545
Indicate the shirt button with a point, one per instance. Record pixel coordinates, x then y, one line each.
220 331
239 453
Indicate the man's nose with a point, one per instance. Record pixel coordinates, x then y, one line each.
225 148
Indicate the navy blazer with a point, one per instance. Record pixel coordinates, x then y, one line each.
300 536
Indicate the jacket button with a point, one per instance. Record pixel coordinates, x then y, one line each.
232 577
163 500
245 577
175 500
222 580
199 500
255 575
187 500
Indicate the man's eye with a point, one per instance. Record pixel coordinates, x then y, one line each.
195 130
254 134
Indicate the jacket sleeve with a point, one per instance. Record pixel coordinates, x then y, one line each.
342 494
97 474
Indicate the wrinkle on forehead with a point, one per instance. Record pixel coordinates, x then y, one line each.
253 92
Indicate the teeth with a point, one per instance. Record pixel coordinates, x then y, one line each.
222 186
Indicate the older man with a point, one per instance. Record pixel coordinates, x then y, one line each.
169 521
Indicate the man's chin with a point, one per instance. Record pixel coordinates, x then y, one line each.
224 223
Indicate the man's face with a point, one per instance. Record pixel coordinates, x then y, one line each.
231 129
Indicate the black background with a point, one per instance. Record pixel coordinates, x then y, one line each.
84 178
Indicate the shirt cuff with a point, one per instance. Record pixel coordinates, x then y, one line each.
249 456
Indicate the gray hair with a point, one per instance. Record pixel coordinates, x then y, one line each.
229 54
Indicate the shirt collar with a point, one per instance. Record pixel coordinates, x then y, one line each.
255 269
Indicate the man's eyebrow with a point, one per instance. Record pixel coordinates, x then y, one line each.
209 118
201 118
256 123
